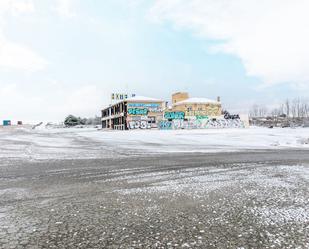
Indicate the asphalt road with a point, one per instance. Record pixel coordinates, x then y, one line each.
256 199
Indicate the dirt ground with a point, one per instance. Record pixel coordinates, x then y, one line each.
253 199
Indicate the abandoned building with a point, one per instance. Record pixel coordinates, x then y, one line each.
133 113
184 112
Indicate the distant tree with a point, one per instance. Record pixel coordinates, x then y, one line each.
258 111
93 121
82 121
276 112
254 112
71 120
287 107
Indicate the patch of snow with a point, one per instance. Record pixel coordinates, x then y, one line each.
282 215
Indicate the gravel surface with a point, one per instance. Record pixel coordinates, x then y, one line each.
223 200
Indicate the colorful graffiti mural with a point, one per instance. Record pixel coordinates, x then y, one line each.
165 125
201 117
151 107
142 124
227 115
137 111
211 110
143 115
174 115
201 124
144 105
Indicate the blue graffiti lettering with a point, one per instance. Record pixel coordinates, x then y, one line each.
165 125
136 111
174 115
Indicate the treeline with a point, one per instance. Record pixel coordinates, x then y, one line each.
295 108
72 120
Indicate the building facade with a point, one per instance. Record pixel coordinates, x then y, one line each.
197 113
185 112
192 107
137 112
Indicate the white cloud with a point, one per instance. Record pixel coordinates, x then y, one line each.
64 8
17 56
19 103
271 37
16 6
16 105
83 100
14 55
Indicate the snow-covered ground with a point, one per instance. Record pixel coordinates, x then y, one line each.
93 143
210 140
252 199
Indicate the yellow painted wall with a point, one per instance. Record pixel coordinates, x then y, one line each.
180 96
199 109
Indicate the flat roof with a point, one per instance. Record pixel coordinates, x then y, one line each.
142 99
197 101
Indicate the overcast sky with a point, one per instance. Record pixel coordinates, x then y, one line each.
60 57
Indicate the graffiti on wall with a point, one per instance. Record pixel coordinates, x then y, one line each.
142 124
227 115
151 107
226 123
165 125
143 115
144 105
137 111
211 110
201 124
121 96
174 115
155 110
201 117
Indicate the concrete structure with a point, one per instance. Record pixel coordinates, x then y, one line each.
137 112
181 102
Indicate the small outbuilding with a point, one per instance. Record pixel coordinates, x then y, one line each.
7 122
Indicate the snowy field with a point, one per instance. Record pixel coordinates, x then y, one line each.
93 143
88 188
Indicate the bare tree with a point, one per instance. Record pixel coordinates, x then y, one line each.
291 111
258 111
303 108
254 112
294 108
276 112
287 107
